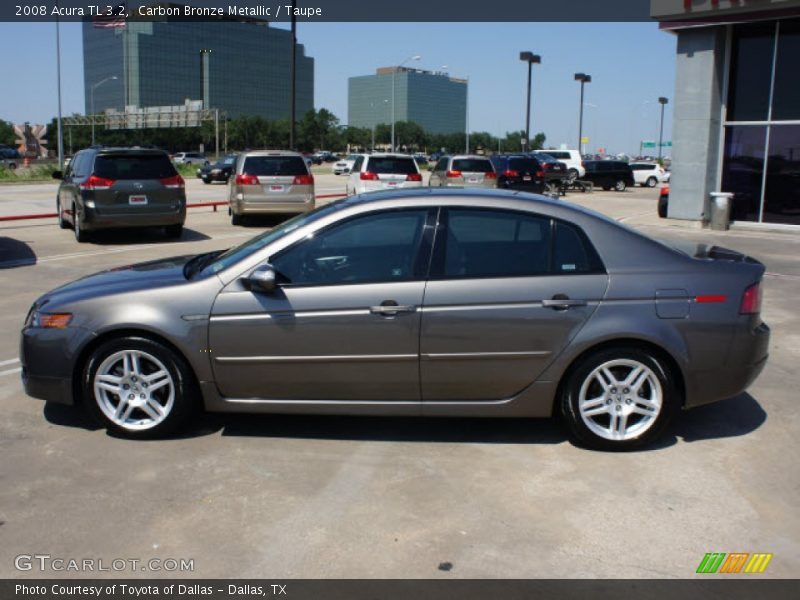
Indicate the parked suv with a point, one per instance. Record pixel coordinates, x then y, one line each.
609 174
555 171
463 170
648 174
519 172
9 157
270 181
106 188
383 171
573 161
190 158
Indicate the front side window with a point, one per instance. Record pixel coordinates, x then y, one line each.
378 247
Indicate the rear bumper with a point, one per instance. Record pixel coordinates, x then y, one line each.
93 220
249 206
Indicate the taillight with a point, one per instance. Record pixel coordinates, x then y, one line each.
452 174
245 179
367 176
490 175
511 173
414 177
97 183
304 180
540 173
174 182
751 300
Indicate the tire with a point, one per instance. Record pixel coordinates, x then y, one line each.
606 188
160 388
80 234
662 206
236 219
572 175
62 222
589 389
174 231
620 186
206 180
651 182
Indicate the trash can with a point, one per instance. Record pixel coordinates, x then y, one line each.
721 210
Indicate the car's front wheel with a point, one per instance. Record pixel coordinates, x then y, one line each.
138 388
619 399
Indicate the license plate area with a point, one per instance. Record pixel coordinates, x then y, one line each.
137 200
274 188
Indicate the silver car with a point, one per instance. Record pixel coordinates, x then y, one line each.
436 303
270 181
463 171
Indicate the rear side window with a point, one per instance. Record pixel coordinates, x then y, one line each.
133 166
357 165
560 155
472 165
572 251
274 165
403 166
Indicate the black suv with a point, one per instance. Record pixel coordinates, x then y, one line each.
518 172
609 174
105 188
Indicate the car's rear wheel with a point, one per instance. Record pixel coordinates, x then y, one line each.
174 231
80 235
651 182
236 219
620 186
572 175
619 399
62 222
138 388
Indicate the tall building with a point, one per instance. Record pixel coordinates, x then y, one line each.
241 66
736 123
435 101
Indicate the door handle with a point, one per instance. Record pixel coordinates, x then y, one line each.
390 308
562 302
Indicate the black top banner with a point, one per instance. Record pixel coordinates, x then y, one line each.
113 12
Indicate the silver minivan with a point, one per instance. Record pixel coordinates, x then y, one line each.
463 170
383 171
270 181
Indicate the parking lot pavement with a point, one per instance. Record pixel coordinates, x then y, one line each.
280 496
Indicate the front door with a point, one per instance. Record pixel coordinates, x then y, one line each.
345 323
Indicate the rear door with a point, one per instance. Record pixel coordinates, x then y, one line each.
474 172
277 178
508 290
136 182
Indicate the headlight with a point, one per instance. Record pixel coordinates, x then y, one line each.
49 320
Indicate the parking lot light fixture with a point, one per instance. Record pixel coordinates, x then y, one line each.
394 77
663 102
531 59
584 79
91 98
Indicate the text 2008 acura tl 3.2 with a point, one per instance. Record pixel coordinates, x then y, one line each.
438 303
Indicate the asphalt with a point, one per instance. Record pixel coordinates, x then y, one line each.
280 496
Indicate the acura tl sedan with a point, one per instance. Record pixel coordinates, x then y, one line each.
484 303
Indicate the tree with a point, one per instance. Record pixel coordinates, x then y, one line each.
7 136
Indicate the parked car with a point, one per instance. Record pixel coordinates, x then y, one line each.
463 170
609 174
434 303
343 165
312 158
190 158
9 157
573 161
269 181
219 171
518 172
380 171
648 174
663 202
105 188
555 171
325 156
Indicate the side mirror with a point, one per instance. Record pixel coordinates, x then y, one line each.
263 279
58 175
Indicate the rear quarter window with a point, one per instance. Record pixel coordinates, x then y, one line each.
573 253
133 166
274 165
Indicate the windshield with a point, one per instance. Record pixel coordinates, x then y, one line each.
234 255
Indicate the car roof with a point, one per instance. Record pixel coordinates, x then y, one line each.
271 153
469 156
389 155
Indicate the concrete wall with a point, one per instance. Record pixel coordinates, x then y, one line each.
697 125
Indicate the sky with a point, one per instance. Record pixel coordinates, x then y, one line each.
631 65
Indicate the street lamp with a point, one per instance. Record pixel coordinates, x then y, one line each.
584 79
531 59
662 101
203 53
394 77
91 96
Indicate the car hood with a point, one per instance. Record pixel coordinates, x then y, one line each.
131 278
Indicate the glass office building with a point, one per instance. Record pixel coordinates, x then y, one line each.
239 66
736 109
433 100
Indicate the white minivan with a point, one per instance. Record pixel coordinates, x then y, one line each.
383 171
573 160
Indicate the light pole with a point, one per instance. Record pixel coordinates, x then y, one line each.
584 79
663 102
375 120
394 77
58 82
203 53
91 95
466 109
531 59
593 129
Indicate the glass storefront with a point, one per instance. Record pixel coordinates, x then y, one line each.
761 164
